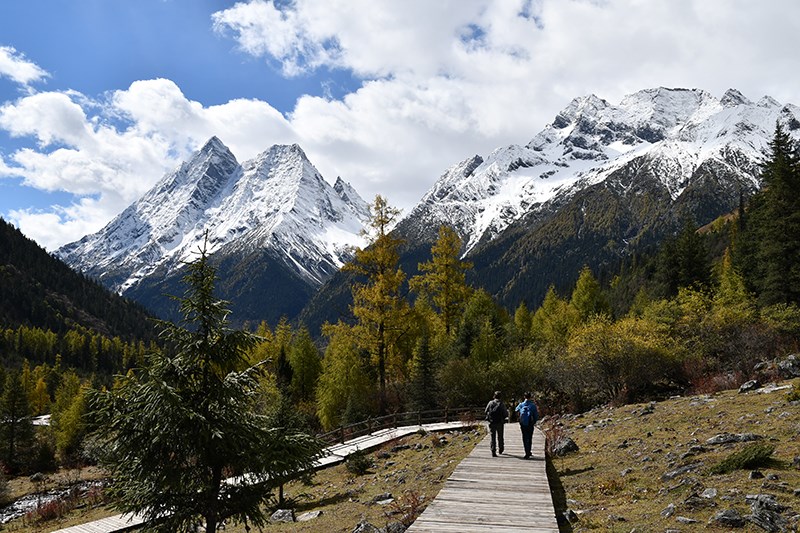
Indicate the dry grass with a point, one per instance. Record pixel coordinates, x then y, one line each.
413 475
625 451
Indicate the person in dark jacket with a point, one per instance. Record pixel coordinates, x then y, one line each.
496 415
528 416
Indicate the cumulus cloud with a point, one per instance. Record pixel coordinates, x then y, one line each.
440 81
111 152
15 66
444 80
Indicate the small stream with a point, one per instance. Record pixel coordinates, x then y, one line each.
28 503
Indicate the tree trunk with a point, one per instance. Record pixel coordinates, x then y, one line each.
382 366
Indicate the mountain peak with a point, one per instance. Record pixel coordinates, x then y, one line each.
276 204
733 97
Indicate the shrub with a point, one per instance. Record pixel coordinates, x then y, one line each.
409 506
794 395
358 463
751 456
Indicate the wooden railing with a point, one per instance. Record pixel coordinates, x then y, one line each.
412 418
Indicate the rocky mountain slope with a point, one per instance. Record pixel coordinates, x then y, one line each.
276 230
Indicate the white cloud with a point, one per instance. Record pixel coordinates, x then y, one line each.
14 66
111 152
441 81
445 80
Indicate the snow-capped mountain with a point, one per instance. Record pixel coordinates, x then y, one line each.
600 182
275 205
674 132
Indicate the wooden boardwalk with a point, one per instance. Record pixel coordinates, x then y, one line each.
334 454
504 493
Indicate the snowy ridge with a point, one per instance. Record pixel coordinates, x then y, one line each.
670 131
277 201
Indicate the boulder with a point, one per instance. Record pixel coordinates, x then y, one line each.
282 515
766 513
365 527
789 368
672 474
728 518
310 515
394 527
748 386
563 446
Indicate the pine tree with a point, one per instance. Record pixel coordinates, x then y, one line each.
172 430
16 428
682 261
444 278
422 388
380 309
776 217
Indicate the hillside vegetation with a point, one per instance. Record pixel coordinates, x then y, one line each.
656 466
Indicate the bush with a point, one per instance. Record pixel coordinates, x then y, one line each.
358 463
794 395
751 456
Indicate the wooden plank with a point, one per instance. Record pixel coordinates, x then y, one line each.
485 493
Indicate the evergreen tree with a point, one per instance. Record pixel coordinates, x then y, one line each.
481 319
775 223
444 278
283 370
16 428
732 302
521 334
380 309
173 430
422 388
682 261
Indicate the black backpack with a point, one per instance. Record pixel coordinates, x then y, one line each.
495 414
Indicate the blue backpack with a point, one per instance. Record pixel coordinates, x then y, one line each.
525 414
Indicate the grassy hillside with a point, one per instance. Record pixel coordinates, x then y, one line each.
648 467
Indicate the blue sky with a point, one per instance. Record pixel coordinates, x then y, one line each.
99 98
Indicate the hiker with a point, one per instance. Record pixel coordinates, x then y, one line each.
528 416
496 414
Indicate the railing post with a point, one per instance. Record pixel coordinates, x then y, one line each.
369 425
446 415
419 418
394 420
341 434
